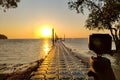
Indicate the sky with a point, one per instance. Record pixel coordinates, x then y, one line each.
27 20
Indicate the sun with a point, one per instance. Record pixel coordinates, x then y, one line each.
46 32
43 31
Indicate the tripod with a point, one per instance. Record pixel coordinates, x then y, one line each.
100 68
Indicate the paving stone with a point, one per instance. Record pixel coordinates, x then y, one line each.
65 77
40 72
51 77
63 69
42 69
78 77
77 73
37 77
52 72
64 72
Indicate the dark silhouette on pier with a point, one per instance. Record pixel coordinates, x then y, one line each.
100 67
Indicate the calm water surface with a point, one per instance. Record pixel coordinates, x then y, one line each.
20 51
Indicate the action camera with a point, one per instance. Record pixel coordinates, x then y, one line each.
100 43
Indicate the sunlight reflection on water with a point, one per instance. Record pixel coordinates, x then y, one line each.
21 51
46 46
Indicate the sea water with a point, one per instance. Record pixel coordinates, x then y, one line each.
21 51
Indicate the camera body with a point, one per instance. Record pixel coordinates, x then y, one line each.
100 43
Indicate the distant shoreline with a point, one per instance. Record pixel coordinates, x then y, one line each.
2 36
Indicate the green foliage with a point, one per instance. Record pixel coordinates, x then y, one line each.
102 12
6 4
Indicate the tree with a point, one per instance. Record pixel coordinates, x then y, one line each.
6 4
2 36
104 14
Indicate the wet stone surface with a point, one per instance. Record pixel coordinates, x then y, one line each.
60 64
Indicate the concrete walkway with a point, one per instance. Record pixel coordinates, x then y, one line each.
61 64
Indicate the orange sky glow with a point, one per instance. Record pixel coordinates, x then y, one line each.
31 16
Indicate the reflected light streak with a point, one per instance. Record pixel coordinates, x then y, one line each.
46 47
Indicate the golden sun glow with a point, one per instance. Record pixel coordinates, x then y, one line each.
43 31
46 32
